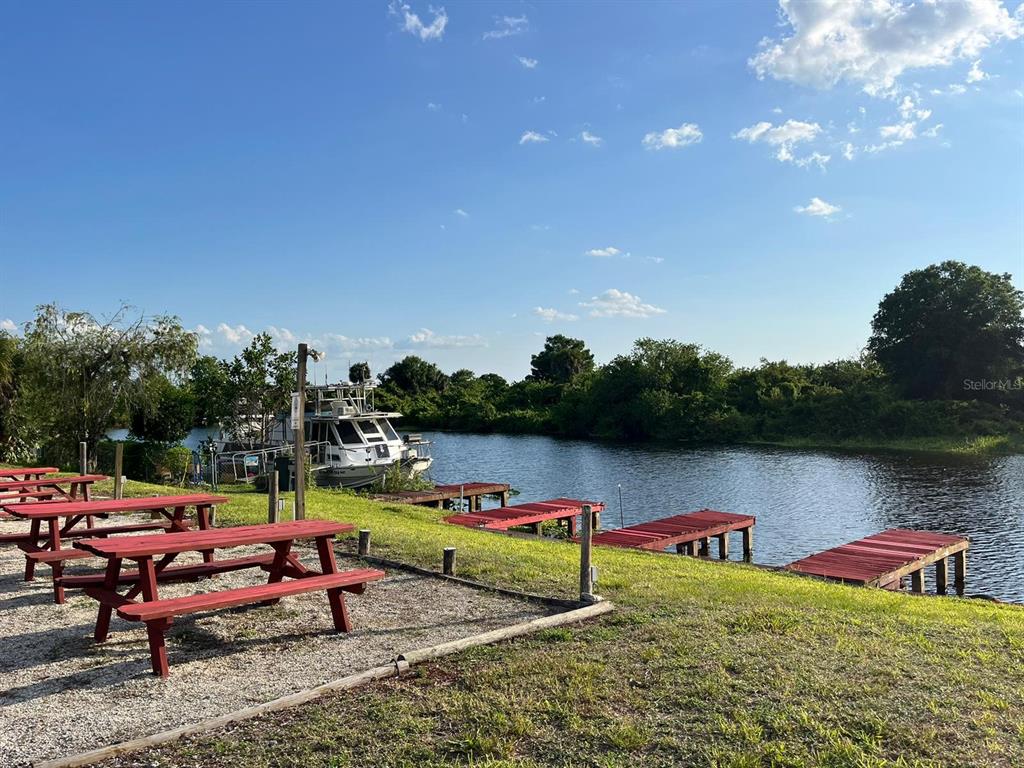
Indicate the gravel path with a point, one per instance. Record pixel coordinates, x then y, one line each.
51 671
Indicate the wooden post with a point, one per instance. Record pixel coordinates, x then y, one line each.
118 470
597 520
504 498
364 542
941 575
705 547
960 571
917 581
586 575
723 546
300 436
273 515
748 544
680 548
538 529
83 458
449 561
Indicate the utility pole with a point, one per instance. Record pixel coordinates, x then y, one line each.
299 428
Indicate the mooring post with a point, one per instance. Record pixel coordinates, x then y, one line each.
449 561
705 547
917 581
83 458
504 498
748 544
364 542
118 470
299 430
960 571
273 514
586 574
723 546
941 575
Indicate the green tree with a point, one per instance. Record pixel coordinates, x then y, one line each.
165 414
359 373
79 371
210 384
413 375
948 325
261 381
561 360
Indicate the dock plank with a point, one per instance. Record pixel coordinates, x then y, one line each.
530 513
659 534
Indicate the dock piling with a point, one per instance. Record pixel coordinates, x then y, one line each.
960 571
364 542
942 575
586 574
449 561
723 546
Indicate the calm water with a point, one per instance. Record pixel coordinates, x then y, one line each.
804 501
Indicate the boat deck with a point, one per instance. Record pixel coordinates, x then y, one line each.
690 533
882 560
442 496
529 514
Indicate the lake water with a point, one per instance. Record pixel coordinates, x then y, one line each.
804 501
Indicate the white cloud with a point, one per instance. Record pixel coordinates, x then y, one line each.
427 339
281 335
674 138
528 62
975 74
8 325
849 151
433 107
654 259
872 43
932 132
910 110
616 303
898 132
344 344
784 137
588 138
818 207
532 137
611 250
777 110
956 89
550 315
574 291
507 26
462 213
412 23
539 99
237 334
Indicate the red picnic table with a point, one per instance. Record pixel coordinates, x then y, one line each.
26 473
46 489
159 613
40 548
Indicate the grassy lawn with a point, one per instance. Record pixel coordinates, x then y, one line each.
986 445
704 664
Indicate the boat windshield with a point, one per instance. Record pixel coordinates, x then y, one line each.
347 434
371 431
388 429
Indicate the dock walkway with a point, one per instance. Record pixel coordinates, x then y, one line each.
882 560
532 514
690 533
442 496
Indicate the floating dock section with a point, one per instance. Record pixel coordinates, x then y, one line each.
533 514
884 559
442 496
690 533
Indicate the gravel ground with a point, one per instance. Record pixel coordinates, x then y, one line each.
61 694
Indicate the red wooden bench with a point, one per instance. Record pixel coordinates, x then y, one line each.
25 473
47 549
51 487
281 563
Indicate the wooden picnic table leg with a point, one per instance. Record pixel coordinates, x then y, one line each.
335 597
110 581
32 543
154 629
56 566
203 517
281 552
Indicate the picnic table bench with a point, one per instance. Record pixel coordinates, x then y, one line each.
46 488
158 613
47 549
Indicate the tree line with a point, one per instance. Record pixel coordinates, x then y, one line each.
945 358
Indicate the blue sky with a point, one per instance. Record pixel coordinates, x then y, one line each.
460 182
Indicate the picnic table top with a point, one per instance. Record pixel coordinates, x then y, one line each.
10 485
216 538
47 509
12 471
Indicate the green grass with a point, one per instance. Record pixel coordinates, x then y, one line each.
985 445
704 664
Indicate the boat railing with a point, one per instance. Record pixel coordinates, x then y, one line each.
246 465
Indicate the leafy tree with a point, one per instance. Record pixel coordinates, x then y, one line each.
946 325
261 381
10 363
413 375
165 414
210 384
359 373
79 372
561 360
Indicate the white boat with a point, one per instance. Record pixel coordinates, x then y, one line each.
351 444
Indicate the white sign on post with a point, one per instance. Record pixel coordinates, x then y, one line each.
296 416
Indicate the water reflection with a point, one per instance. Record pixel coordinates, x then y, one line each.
804 501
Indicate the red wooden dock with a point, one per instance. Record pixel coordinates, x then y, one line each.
690 533
530 514
882 560
442 496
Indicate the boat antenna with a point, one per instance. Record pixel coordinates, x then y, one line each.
622 518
